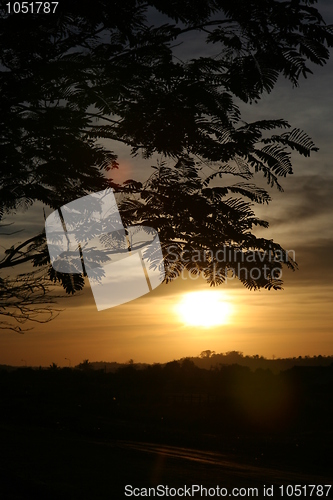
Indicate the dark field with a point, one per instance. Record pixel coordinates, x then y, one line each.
86 434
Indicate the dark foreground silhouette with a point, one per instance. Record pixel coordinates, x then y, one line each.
84 433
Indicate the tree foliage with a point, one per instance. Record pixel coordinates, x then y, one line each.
112 71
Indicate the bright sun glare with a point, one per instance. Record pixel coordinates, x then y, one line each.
207 309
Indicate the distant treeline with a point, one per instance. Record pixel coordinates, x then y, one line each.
209 359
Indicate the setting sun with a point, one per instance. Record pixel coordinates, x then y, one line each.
206 309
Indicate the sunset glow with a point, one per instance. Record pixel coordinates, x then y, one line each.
205 309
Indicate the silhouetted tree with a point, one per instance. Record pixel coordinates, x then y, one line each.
85 365
206 354
109 71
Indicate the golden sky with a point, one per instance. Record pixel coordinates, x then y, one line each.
295 321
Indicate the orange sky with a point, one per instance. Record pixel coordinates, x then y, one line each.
287 323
